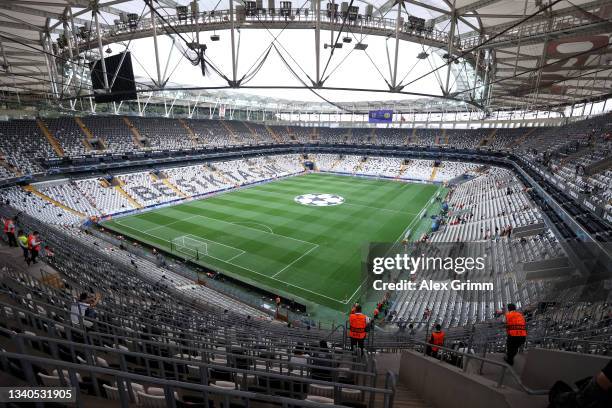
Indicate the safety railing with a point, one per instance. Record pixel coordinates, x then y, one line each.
466 357
67 373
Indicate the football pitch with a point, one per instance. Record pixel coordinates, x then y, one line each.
309 250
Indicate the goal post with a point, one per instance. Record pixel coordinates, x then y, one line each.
189 246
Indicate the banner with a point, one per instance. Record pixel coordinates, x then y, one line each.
381 116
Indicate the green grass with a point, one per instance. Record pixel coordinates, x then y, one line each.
260 235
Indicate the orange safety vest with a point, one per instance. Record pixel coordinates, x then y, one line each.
9 226
515 324
33 243
437 338
357 326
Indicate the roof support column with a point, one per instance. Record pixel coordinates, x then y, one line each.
317 11
233 38
397 31
155 45
95 12
451 39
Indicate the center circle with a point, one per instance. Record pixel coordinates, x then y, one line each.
319 200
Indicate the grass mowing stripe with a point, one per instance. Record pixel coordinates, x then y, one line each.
312 253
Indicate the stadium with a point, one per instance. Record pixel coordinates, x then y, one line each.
364 203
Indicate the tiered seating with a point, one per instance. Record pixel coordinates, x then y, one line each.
39 208
490 202
210 133
333 135
149 325
324 162
71 196
162 133
68 133
348 164
466 139
301 134
418 170
381 166
241 132
104 198
112 130
22 145
449 170
426 137
506 137
147 191
392 136
485 210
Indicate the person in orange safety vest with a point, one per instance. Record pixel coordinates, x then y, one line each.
436 339
9 230
516 329
358 322
34 246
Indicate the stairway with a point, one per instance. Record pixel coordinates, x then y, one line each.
348 135
136 136
253 133
360 165
373 136
273 134
402 170
174 188
314 136
88 134
413 138
85 194
404 397
487 140
55 144
291 134
434 171
128 197
30 188
10 168
190 131
445 137
230 131
338 160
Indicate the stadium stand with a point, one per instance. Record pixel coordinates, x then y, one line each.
197 211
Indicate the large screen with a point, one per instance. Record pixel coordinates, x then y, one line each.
122 88
381 116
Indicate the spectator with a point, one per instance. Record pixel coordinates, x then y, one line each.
299 357
595 392
324 362
83 307
22 240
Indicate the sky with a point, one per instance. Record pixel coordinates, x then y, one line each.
347 68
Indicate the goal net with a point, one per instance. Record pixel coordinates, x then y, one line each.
190 246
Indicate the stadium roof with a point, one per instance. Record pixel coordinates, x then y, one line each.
502 54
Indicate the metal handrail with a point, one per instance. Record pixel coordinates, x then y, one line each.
169 385
20 337
468 356
114 338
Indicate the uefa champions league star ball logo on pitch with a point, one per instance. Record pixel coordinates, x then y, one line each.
319 200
